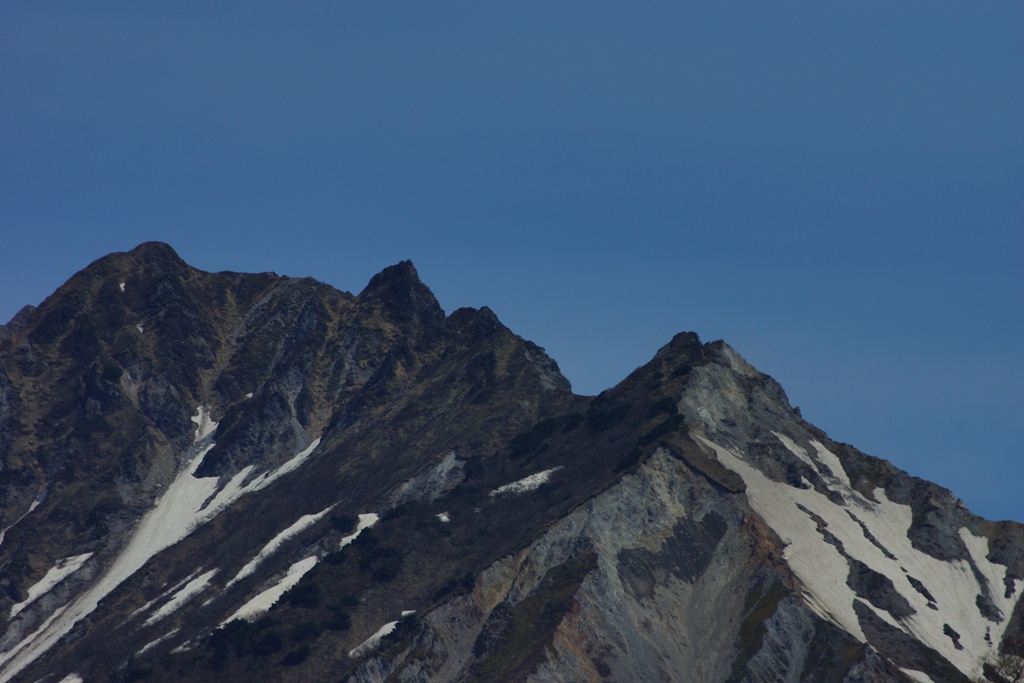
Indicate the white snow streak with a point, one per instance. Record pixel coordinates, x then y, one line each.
303 523
833 464
191 589
178 512
150 646
33 506
204 425
265 600
60 571
526 483
365 522
71 678
918 676
443 516
121 286
823 570
373 641
796 450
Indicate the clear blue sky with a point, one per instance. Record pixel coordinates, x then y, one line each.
834 188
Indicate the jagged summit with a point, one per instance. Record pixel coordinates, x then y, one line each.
397 293
230 476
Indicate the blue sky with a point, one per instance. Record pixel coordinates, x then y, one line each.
833 188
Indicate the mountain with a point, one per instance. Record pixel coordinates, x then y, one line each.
226 476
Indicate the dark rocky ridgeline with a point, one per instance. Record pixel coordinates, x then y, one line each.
524 532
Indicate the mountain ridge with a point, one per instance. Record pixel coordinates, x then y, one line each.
250 421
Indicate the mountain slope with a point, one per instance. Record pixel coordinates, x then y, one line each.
234 477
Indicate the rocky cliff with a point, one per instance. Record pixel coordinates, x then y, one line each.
224 476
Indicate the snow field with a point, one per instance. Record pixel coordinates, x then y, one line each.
189 591
918 676
185 505
373 641
526 483
823 570
265 600
366 521
60 571
797 451
270 548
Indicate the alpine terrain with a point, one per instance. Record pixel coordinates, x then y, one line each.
250 477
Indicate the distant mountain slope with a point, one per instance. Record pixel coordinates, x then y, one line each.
224 476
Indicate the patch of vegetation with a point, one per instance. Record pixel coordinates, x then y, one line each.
667 426
112 373
382 563
409 507
632 458
305 594
571 421
830 652
241 638
761 603
462 584
336 557
666 405
305 630
136 673
601 415
296 656
338 617
531 624
682 370
268 644
344 524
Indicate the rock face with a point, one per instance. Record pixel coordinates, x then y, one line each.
224 476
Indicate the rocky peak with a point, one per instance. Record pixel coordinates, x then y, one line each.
183 453
398 293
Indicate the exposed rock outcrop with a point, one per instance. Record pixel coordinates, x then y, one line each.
379 491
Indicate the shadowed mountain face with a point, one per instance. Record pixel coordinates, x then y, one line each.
225 476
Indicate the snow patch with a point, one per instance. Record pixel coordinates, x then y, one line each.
526 483
918 676
189 591
156 642
71 678
373 641
823 570
184 506
265 600
138 326
430 484
832 462
443 516
298 527
121 286
35 503
60 571
204 425
796 450
365 522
